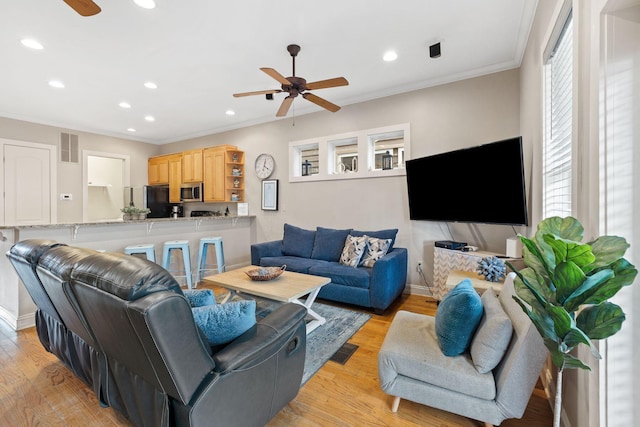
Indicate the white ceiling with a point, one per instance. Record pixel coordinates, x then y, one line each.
200 52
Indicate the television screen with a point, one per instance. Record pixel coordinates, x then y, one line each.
482 184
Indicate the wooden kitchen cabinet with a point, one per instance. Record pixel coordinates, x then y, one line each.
223 174
213 174
192 163
175 177
158 170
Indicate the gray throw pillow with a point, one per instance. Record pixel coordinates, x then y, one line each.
493 335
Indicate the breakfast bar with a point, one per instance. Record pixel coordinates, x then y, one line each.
17 307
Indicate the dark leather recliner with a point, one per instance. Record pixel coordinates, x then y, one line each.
153 364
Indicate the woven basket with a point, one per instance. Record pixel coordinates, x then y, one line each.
263 274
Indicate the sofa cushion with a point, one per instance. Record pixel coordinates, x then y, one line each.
376 249
293 263
199 297
328 244
343 274
353 249
493 336
457 318
222 323
380 234
297 241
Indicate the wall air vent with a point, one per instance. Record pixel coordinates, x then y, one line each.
69 148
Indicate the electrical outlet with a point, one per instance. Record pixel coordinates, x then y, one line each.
419 266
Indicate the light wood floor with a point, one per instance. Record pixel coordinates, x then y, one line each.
37 390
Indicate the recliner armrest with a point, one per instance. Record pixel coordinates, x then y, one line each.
265 249
267 337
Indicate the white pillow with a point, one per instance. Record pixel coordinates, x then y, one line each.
492 336
376 249
353 250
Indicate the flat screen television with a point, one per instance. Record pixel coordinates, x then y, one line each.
483 184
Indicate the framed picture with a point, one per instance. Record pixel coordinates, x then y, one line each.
270 195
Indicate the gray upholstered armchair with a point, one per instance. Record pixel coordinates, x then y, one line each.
412 366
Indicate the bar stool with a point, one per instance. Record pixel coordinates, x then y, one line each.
146 248
183 246
205 242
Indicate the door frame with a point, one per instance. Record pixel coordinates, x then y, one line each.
126 177
53 175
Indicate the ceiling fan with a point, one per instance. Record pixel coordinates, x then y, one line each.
295 86
84 7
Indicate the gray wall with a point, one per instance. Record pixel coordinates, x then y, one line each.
442 118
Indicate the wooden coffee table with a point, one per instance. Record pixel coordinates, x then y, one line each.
288 287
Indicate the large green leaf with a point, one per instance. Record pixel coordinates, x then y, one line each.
625 272
562 321
594 290
539 260
600 321
566 228
568 250
607 249
570 362
543 323
568 277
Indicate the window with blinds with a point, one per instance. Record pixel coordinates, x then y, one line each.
557 158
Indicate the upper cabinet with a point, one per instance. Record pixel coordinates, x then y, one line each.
192 163
158 170
220 169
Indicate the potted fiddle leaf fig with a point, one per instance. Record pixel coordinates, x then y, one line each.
565 289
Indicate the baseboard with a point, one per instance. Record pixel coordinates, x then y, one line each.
417 290
9 318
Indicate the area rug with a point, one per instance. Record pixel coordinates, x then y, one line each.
325 340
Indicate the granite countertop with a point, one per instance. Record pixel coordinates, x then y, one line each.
140 221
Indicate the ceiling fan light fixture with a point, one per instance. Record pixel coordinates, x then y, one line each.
32 44
145 4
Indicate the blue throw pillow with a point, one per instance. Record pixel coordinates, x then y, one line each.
329 243
457 318
380 234
297 241
222 323
200 297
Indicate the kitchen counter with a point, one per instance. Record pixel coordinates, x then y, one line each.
238 234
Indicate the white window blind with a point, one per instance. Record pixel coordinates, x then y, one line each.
557 161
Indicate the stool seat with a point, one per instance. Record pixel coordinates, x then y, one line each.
205 242
145 248
183 246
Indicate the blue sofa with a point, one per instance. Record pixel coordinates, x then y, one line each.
319 252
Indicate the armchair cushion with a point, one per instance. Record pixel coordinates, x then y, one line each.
493 336
457 318
222 323
328 244
297 241
200 297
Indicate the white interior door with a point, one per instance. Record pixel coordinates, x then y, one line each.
27 185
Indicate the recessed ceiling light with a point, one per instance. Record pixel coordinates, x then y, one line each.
31 43
131 130
390 56
150 118
151 85
147 4
230 113
56 83
125 104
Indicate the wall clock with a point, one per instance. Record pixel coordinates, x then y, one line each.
265 164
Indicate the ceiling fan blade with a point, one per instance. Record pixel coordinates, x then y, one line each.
321 102
258 92
84 7
322 84
284 107
276 75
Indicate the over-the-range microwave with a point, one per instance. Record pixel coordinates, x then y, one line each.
191 192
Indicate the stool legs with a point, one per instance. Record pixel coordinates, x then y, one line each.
183 246
205 242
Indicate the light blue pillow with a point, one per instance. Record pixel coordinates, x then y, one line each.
222 323
200 297
457 318
297 241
